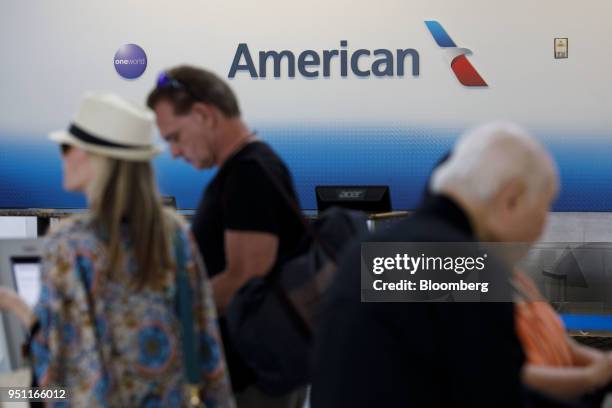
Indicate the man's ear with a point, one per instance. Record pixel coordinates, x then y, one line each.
509 197
205 113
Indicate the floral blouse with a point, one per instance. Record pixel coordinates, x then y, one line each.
132 357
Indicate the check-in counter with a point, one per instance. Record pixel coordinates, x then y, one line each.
45 218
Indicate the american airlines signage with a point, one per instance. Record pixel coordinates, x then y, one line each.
361 62
314 64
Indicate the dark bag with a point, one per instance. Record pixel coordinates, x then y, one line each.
271 320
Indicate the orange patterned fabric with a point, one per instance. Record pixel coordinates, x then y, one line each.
539 328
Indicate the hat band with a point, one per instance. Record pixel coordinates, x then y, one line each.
88 138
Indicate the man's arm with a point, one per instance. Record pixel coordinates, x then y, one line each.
568 382
583 355
249 254
10 300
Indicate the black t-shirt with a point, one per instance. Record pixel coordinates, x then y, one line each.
242 197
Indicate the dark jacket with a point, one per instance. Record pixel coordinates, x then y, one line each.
415 354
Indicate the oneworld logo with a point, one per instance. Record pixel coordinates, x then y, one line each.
130 61
361 62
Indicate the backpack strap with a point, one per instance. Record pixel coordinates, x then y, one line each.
296 211
104 364
184 308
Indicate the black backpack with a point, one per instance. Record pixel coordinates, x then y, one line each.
271 319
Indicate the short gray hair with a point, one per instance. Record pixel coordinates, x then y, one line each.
486 157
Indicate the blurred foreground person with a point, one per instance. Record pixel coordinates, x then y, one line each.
109 319
496 186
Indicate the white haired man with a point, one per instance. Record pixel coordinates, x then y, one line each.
497 185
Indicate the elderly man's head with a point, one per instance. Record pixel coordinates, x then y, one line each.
503 178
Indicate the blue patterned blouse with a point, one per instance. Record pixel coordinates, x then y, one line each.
139 363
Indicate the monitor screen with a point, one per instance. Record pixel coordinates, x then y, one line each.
26 271
372 199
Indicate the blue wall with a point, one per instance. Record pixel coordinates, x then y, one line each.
30 167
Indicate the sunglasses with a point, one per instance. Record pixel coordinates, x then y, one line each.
65 148
166 81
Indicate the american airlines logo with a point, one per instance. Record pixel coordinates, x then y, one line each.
361 62
461 66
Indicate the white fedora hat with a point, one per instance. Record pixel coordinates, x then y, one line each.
108 125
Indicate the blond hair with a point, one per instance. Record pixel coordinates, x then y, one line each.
125 193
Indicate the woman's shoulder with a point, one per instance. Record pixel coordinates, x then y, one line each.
65 242
79 224
70 232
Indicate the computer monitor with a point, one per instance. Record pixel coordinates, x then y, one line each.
371 199
26 274
19 270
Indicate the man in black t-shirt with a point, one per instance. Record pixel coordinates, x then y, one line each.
243 224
